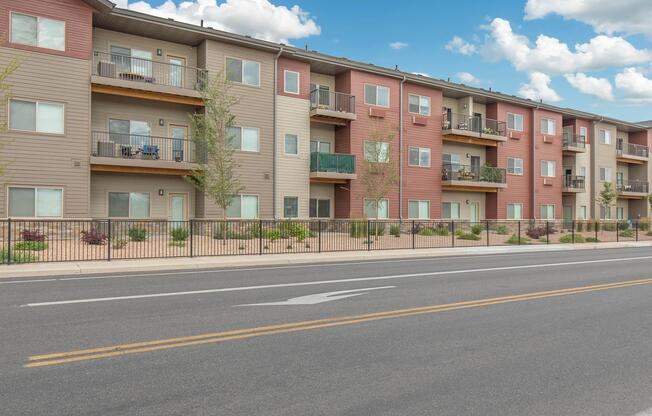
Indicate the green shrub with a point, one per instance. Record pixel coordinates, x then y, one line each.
649 233
31 245
589 226
514 240
273 235
395 230
179 234
477 229
377 228
628 233
644 225
592 240
427 232
579 226
290 229
137 234
358 229
608 226
119 243
501 230
441 231
468 236
16 257
568 238
623 225
178 243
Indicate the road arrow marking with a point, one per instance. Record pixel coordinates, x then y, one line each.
320 297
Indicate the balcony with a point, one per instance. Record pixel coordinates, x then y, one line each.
573 184
330 107
574 143
331 167
474 130
456 177
636 154
142 78
632 189
133 153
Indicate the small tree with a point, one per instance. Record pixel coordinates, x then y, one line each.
649 200
607 195
217 172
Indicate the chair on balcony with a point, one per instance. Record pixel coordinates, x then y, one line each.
150 151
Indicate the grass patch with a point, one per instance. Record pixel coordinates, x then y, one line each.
568 238
628 233
31 245
592 240
501 230
16 257
515 241
468 236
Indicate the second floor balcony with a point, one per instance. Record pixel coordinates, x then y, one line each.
631 152
332 167
633 189
574 184
574 143
472 178
473 129
332 107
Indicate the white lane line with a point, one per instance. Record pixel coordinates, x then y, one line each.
646 412
324 282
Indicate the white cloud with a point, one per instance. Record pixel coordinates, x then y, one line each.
467 78
598 87
398 45
538 88
551 56
605 16
423 74
257 18
459 45
636 87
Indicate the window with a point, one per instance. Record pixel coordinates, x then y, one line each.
583 214
243 71
605 174
419 210
38 31
246 139
291 144
605 213
583 133
620 213
35 202
291 84
515 211
548 126
382 210
605 137
133 61
419 156
38 116
515 121
452 161
319 146
129 132
376 95
243 206
547 212
583 171
320 208
129 204
419 104
290 207
514 166
376 151
548 168
450 210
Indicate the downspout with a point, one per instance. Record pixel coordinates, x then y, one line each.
534 162
400 152
274 135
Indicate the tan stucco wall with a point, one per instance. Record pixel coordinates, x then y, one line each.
461 197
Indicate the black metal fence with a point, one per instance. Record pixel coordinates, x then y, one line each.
30 241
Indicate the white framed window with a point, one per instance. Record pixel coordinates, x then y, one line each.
548 212
451 161
419 210
291 82
129 132
605 136
370 209
36 116
450 210
290 207
548 126
38 31
548 168
620 213
515 211
605 212
376 151
419 156
419 104
376 95
584 133
319 208
243 71
583 214
35 202
129 204
243 206
582 171
514 166
291 144
515 121
246 139
130 60
605 174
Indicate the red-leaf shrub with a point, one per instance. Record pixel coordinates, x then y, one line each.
94 237
32 235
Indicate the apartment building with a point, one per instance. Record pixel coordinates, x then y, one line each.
98 126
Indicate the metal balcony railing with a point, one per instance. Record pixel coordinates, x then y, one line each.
332 162
143 147
331 100
482 126
574 140
129 68
631 149
632 186
457 172
574 182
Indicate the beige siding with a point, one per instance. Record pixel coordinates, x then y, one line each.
102 184
462 197
323 133
48 159
584 198
324 191
603 156
463 149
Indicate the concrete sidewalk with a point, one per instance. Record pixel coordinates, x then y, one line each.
195 263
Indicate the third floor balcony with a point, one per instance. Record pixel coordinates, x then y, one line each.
331 107
332 167
473 129
631 153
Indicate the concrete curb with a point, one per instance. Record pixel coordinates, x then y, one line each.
201 263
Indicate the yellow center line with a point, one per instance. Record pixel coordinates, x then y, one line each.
217 337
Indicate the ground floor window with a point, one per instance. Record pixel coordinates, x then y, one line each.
450 210
620 213
35 202
419 210
547 212
514 211
605 213
320 208
583 213
290 207
373 211
243 206
129 204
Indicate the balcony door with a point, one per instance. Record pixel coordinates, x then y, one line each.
179 136
321 95
129 132
176 70
319 146
132 64
178 207
474 212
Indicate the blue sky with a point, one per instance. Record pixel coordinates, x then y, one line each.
610 72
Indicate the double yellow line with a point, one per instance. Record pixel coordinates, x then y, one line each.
217 337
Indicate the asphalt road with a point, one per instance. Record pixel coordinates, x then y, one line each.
554 333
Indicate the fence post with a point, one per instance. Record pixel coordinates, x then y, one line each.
519 232
190 224
108 257
9 241
453 233
413 236
547 232
368 235
319 234
595 227
487 226
636 229
260 237
617 231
